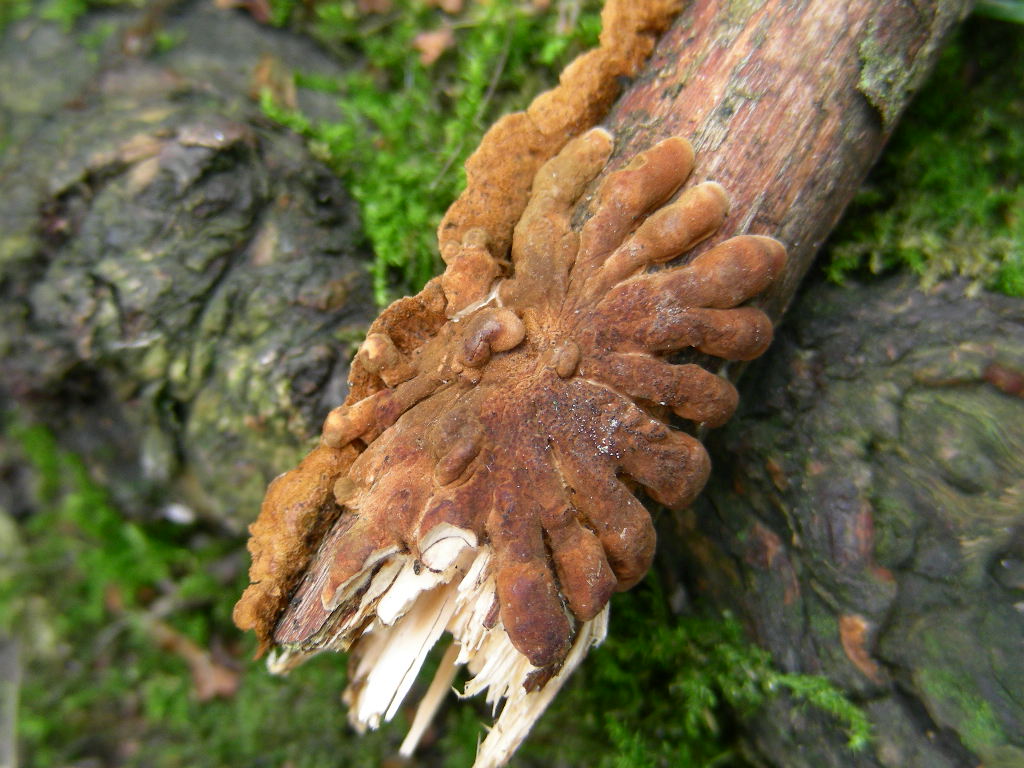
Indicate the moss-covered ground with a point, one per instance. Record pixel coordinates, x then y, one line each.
128 651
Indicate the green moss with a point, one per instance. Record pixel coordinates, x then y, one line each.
86 586
13 10
740 10
80 548
96 38
884 78
64 12
282 11
67 12
164 41
1005 10
668 691
948 195
953 704
406 130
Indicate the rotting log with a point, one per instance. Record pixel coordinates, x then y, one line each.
790 138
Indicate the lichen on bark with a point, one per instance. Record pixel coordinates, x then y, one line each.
889 71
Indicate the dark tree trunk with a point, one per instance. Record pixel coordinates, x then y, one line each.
866 521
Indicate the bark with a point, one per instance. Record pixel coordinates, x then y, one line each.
787 104
179 279
864 520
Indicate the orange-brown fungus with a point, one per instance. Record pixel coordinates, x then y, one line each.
530 417
474 239
499 173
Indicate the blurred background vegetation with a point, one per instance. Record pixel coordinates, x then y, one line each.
121 618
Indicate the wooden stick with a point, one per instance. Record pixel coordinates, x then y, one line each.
787 105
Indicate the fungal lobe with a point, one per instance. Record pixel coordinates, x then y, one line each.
523 405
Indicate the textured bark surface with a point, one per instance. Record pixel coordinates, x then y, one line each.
865 521
179 284
787 105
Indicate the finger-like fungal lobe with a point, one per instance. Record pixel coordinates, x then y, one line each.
502 457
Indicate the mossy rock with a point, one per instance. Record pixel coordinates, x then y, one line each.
182 281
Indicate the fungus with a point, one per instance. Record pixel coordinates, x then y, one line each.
484 482
499 173
473 238
481 478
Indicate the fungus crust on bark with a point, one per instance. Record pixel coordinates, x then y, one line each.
482 477
488 489
473 236
528 419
